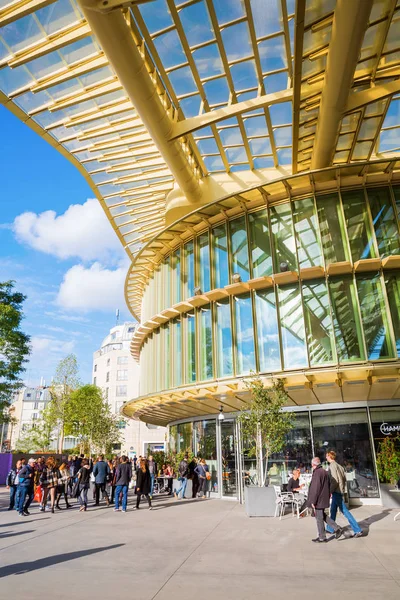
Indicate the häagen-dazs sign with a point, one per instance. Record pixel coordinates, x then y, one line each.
388 429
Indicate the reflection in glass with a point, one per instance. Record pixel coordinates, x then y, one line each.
333 231
176 276
190 374
260 245
189 270
346 431
358 225
228 454
283 238
220 250
177 362
346 320
381 419
392 281
166 272
296 452
384 220
374 317
205 349
167 357
239 249
245 356
184 437
203 244
396 192
306 228
267 331
205 446
292 327
318 321
224 338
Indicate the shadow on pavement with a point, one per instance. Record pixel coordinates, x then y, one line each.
366 523
170 503
41 563
22 521
8 534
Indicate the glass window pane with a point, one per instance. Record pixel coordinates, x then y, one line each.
167 354
307 238
283 238
205 446
224 338
269 353
203 242
297 452
205 349
239 249
385 223
245 356
190 371
176 276
260 245
346 320
396 192
167 282
385 424
319 325
292 327
392 281
220 250
346 431
184 437
189 270
358 225
333 232
374 317
177 362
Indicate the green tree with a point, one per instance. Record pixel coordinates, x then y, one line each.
14 345
36 438
65 381
264 425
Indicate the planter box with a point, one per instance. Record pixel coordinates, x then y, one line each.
259 501
390 496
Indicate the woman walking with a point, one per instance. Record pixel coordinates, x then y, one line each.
202 470
143 483
83 484
49 481
62 488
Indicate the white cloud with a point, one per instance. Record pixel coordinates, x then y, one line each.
83 231
93 288
41 346
47 351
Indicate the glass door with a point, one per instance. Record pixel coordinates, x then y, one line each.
229 460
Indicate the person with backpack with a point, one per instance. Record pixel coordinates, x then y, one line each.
338 489
101 472
204 476
25 487
183 472
123 475
12 482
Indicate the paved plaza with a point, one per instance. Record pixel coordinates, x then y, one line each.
195 550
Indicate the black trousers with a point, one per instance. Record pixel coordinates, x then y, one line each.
138 496
322 518
102 487
195 486
202 486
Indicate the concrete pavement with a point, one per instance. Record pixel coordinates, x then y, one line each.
193 549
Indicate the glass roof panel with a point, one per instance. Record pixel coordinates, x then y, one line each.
182 81
317 10
281 114
272 54
13 79
276 83
236 40
156 15
26 32
228 10
208 61
244 75
170 49
58 15
217 91
196 23
267 19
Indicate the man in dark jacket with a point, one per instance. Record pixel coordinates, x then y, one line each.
318 499
25 486
101 471
12 483
183 470
151 463
122 478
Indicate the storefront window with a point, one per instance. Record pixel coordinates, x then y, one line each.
333 232
385 423
224 338
245 355
220 251
228 453
177 362
346 320
205 446
358 225
292 327
346 432
283 238
307 238
318 321
184 437
239 248
203 242
260 245
190 322
205 349
267 331
189 270
392 281
297 452
374 317
384 220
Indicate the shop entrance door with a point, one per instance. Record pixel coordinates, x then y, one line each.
229 459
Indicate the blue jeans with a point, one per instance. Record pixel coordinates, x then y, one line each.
82 497
124 490
24 491
16 498
182 489
13 492
338 503
152 477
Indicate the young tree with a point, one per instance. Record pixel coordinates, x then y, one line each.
14 345
36 438
264 424
65 381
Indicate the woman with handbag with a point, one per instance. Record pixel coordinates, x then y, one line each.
204 476
83 484
62 488
143 483
49 482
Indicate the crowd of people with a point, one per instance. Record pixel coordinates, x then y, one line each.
50 483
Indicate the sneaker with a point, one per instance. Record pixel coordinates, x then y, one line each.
150 508
21 514
358 534
116 509
42 509
11 508
26 513
338 533
319 541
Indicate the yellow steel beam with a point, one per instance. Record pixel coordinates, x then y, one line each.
70 72
359 99
117 107
17 10
350 22
298 64
104 87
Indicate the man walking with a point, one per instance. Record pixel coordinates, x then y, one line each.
318 499
338 488
122 479
183 471
153 473
25 487
12 483
101 471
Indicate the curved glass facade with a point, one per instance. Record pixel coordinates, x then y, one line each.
300 324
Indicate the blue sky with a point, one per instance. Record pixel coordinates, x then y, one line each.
68 262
